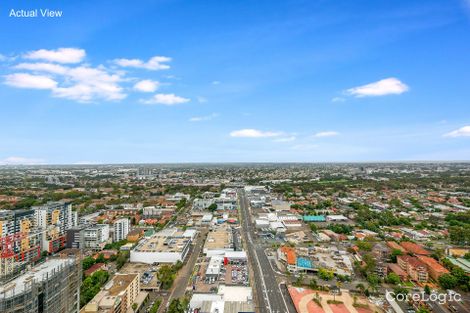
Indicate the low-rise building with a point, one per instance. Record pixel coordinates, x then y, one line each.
118 295
416 269
135 235
414 248
218 241
228 299
166 246
396 269
435 269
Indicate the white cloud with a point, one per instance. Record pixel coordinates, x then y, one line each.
81 83
388 86
153 64
89 83
166 99
285 139
461 132
61 55
215 82
24 80
59 71
254 133
326 134
203 118
15 160
42 67
146 85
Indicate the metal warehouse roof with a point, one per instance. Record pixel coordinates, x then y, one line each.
314 218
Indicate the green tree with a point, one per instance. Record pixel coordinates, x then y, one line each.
325 274
100 258
212 207
87 262
156 305
122 258
313 283
177 306
394 254
92 285
313 227
460 275
427 290
370 263
373 280
364 245
400 290
361 287
447 281
393 279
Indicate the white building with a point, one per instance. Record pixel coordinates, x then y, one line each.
236 257
121 229
201 204
206 219
228 299
336 218
167 246
95 237
261 223
74 221
214 267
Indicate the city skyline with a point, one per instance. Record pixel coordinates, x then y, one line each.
293 81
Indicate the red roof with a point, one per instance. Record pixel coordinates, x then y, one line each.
395 246
413 261
290 255
433 264
414 248
95 267
397 269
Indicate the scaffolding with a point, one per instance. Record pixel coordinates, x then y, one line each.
56 290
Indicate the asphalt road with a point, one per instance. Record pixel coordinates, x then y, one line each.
438 308
182 279
269 295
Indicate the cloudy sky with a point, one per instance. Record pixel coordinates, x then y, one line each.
222 81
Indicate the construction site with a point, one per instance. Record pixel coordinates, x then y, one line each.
52 286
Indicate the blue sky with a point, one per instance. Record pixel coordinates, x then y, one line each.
222 81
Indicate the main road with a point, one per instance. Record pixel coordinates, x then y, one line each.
269 295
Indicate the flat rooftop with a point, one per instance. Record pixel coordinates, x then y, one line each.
120 283
162 244
219 238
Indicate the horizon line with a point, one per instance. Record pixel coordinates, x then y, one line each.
242 162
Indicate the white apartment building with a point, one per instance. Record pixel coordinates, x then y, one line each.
95 237
121 229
